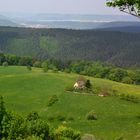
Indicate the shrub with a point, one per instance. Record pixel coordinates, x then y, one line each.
127 80
67 70
52 100
114 93
96 90
5 64
2 110
88 84
16 127
130 98
57 116
29 67
32 116
55 70
45 66
37 64
91 115
63 132
38 128
60 117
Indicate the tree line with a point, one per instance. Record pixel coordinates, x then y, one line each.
89 68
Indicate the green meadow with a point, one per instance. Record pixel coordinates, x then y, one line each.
25 91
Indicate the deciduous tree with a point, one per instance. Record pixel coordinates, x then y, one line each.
131 7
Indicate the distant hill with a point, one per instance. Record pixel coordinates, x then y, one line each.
7 22
121 24
121 27
72 21
118 48
132 29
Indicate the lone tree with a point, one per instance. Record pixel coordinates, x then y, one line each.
88 84
45 66
131 7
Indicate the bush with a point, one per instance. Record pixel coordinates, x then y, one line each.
91 116
38 128
64 132
29 67
53 99
130 98
32 116
55 70
127 80
5 64
45 66
60 117
67 70
16 127
57 116
37 64
88 84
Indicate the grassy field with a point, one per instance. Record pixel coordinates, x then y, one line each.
25 91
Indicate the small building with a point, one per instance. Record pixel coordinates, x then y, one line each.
79 84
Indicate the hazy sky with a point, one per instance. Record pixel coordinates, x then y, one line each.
57 6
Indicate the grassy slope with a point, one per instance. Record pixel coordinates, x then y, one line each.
25 91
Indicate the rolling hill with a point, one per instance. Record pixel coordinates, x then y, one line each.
117 48
132 27
25 91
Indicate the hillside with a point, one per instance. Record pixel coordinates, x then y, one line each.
133 27
72 21
113 47
25 91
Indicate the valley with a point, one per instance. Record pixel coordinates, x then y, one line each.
69 76
111 47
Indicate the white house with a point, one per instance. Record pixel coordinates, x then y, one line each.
79 85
